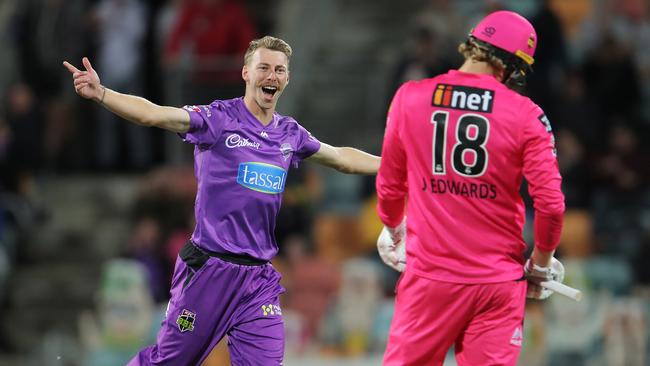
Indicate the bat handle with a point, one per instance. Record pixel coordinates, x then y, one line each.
563 289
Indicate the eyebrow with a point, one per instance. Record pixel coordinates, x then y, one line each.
265 64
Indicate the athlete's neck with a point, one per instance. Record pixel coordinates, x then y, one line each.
472 66
264 115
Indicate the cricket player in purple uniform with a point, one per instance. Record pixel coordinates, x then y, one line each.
223 282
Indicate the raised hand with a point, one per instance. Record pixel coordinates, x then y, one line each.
86 83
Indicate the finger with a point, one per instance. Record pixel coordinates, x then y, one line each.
534 291
70 68
535 280
80 86
87 64
534 286
82 79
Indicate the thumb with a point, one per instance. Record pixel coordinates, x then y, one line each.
87 65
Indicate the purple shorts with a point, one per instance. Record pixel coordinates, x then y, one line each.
211 297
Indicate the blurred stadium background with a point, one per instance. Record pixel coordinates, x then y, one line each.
93 210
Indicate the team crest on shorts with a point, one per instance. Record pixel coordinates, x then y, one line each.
517 337
186 320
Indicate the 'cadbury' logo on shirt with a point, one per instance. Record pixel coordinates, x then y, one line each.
262 177
235 140
463 97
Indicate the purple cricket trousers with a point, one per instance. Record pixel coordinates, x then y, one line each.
212 297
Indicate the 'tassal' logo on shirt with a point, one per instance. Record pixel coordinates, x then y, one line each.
235 140
463 97
262 177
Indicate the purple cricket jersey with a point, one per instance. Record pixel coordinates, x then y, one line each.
241 168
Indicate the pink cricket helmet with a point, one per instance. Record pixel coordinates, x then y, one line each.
510 32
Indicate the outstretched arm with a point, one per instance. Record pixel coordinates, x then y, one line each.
346 159
130 107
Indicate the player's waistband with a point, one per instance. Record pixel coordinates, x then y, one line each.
242 259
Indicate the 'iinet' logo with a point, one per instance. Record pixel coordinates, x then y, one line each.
463 97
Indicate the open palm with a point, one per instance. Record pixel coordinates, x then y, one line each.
86 83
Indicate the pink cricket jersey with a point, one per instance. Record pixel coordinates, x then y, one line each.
457 146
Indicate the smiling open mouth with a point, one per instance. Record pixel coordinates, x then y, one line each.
269 90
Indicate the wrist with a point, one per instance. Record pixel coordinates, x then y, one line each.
534 268
102 95
542 258
537 273
397 232
554 271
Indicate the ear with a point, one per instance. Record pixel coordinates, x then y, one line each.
244 73
500 75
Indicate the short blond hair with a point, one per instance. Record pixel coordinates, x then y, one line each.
268 42
472 50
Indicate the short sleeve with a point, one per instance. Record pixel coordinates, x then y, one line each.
306 146
206 124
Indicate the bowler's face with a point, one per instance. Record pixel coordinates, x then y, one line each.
266 76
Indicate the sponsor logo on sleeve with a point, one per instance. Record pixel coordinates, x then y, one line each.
262 177
554 150
547 124
463 97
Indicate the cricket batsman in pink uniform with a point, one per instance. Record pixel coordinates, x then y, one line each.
456 148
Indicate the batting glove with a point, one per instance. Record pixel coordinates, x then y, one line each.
537 274
391 246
